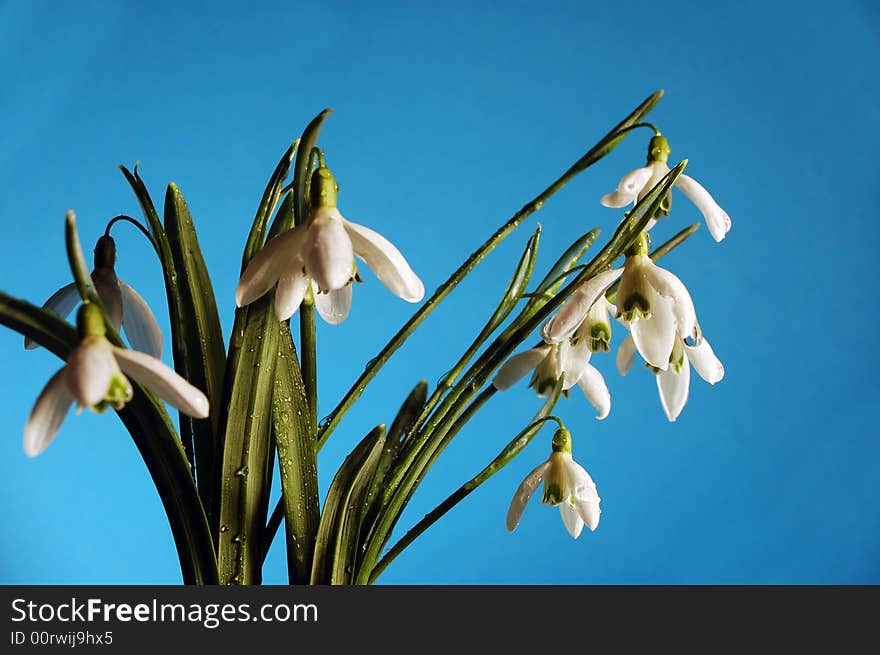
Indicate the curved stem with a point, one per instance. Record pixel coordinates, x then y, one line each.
594 154
507 455
133 221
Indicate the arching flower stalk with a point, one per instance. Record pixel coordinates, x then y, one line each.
125 307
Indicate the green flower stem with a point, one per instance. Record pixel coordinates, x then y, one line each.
507 455
658 254
133 221
422 452
602 148
154 435
309 361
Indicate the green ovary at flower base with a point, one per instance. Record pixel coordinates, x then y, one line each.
318 256
95 377
566 485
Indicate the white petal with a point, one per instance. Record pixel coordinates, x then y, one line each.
572 520
626 355
334 306
704 360
717 219
280 254
515 368
62 303
386 262
673 389
139 323
629 188
47 415
523 493
107 286
584 493
596 391
327 250
659 169
163 381
573 312
670 286
90 367
655 337
290 293
574 358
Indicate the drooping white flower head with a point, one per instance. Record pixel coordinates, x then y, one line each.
673 384
655 305
95 377
586 303
568 361
319 254
125 307
639 182
566 484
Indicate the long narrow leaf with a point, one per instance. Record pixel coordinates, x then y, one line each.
334 504
297 461
204 359
153 434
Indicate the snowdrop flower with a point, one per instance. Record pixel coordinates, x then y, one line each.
566 484
568 361
320 254
639 182
95 377
654 304
674 383
587 303
125 307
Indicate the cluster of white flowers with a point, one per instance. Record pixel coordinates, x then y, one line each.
651 303
313 261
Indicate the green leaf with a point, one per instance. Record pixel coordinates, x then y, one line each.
611 140
147 207
250 379
203 358
515 287
78 266
519 442
301 173
349 529
153 434
338 495
267 205
602 148
297 460
400 427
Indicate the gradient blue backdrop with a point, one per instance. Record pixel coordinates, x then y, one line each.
448 118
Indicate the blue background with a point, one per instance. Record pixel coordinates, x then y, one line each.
448 118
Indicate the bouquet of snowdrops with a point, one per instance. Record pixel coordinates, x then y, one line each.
250 401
